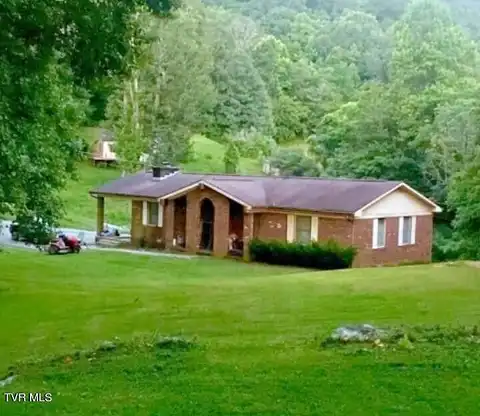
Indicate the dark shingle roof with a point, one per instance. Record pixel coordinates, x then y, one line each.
316 194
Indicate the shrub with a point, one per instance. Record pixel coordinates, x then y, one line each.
324 256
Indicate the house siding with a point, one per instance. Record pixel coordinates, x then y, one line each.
397 204
392 253
221 221
269 226
338 229
148 235
358 233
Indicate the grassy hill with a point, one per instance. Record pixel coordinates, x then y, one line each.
81 208
258 336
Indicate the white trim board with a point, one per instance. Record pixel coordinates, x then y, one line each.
290 228
160 215
314 230
435 207
396 215
145 213
375 234
208 185
400 230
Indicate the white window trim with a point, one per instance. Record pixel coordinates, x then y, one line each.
400 230
145 215
290 228
314 232
375 234
414 227
160 215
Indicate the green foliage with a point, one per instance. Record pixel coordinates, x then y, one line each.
294 162
464 197
231 157
445 246
168 92
243 102
54 56
327 256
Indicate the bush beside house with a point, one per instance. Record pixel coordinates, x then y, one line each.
323 256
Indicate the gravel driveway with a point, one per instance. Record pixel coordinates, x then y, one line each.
89 239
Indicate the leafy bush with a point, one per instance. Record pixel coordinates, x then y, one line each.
326 256
445 246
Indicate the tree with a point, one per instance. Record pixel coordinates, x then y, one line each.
464 199
168 93
363 42
243 101
43 100
294 162
455 141
231 157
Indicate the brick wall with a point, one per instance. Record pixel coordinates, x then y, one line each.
392 253
180 218
270 226
137 230
358 233
338 229
151 236
221 221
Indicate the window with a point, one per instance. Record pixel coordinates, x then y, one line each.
379 232
406 231
303 229
152 209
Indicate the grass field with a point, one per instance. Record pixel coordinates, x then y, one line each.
256 329
81 207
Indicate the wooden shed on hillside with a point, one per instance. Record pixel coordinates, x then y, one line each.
103 149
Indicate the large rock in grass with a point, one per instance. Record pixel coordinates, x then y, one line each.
358 333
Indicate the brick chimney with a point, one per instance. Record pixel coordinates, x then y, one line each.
159 172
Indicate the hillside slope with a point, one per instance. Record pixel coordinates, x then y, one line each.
81 208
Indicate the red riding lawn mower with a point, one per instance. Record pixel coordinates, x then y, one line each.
64 245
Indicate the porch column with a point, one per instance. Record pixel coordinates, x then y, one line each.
100 214
169 222
221 227
247 234
192 227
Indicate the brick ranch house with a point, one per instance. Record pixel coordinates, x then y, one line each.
389 222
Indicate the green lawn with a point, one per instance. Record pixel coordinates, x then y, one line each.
208 157
255 327
81 208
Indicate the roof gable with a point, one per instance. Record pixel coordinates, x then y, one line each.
401 200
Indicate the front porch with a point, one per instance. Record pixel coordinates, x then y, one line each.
206 222
199 221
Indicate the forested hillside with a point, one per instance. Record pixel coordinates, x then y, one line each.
346 88
372 88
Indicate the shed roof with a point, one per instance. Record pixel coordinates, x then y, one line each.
300 193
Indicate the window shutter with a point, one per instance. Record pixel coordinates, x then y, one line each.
314 232
400 231
145 213
375 233
414 226
290 228
160 214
